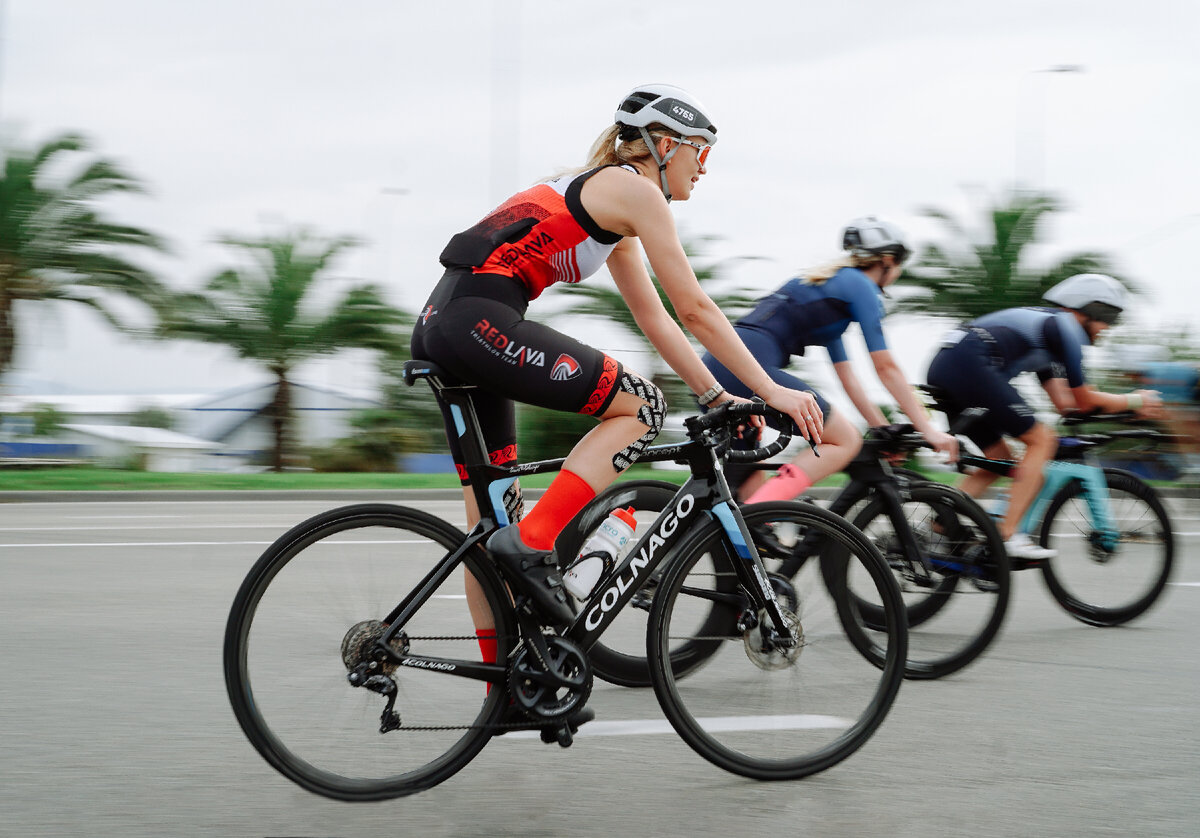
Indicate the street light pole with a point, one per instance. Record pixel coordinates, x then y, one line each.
1034 180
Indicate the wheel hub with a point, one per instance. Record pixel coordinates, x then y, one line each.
358 646
763 651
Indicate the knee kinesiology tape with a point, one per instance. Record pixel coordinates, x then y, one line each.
651 414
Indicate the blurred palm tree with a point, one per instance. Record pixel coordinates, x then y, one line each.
977 274
605 302
266 314
55 244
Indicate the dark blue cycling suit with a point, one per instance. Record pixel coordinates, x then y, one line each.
802 314
978 361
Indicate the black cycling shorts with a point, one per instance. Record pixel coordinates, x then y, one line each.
474 327
969 373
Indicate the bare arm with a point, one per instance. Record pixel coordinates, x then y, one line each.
636 287
894 380
1060 394
1146 403
858 396
633 206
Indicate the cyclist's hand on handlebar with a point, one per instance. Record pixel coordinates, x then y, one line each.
755 421
943 443
803 408
1152 406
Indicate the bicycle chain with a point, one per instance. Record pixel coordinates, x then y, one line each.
428 728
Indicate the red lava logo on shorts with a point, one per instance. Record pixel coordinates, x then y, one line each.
503 347
565 368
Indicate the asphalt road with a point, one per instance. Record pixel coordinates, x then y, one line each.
115 721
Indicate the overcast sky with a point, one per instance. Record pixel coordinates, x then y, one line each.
403 123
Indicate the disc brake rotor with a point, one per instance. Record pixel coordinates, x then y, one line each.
769 655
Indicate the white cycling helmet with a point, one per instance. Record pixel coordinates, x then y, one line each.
1098 296
668 106
871 236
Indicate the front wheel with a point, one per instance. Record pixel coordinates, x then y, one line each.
760 708
956 591
312 608
1105 581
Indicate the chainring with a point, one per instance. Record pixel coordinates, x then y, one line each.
551 694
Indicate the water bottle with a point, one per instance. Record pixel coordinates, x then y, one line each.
600 553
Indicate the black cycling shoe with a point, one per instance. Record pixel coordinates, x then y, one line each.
535 572
514 719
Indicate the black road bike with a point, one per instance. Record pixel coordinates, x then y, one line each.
943 548
352 658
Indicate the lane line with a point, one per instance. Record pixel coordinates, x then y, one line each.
195 543
716 724
268 526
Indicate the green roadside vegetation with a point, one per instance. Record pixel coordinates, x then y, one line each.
83 479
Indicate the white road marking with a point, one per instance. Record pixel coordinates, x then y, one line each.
268 526
196 543
716 724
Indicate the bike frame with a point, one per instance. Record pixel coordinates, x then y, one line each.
869 473
705 496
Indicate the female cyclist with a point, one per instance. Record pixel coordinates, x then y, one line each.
977 362
814 310
563 230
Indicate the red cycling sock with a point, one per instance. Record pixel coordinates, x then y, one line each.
789 483
487 644
487 647
568 494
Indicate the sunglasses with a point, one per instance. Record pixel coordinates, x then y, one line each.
701 149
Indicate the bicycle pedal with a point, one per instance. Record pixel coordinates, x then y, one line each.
562 735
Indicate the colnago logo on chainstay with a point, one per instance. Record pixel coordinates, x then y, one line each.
631 570
428 663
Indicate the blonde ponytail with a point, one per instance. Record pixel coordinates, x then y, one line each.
609 150
824 272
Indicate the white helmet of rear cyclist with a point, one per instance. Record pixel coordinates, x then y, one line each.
871 236
669 106
1098 296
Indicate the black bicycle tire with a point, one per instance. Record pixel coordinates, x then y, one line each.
1095 615
932 494
891 671
916 614
241 616
611 665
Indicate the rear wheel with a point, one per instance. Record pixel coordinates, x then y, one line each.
1106 582
312 608
759 708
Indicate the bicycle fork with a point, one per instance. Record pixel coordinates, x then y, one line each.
750 569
